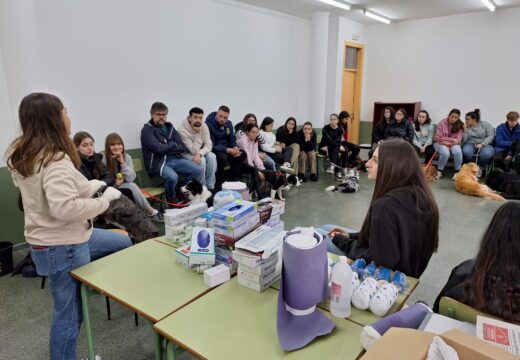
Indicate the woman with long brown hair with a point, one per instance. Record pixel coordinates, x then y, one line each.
491 281
401 228
58 206
448 139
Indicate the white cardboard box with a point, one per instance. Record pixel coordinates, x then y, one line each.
178 216
182 256
242 228
249 259
256 278
269 264
258 286
216 275
202 248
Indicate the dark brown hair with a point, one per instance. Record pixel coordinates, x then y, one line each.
112 139
399 168
44 136
494 286
455 128
98 165
512 116
392 113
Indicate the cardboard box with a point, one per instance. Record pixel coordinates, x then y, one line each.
263 241
258 286
182 256
243 227
269 264
257 278
249 259
410 344
202 249
225 256
216 275
174 217
234 211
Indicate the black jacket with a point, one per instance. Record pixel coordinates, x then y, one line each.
156 146
88 169
403 130
283 136
379 131
453 287
307 145
397 236
331 137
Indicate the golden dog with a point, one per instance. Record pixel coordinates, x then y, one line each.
431 173
467 183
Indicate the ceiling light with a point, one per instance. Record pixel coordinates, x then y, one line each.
490 4
340 4
375 16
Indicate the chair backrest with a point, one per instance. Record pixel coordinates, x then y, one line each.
459 311
138 168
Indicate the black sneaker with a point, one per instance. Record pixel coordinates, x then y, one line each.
302 177
314 177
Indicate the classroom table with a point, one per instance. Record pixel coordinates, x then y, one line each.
143 278
166 241
234 322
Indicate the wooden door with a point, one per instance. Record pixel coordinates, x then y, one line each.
351 86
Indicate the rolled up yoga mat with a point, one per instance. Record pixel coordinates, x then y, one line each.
411 318
304 284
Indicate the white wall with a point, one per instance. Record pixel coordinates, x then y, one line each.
109 60
463 61
6 117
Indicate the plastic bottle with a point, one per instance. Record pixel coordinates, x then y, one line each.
341 288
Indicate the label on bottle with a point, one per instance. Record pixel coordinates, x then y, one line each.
335 292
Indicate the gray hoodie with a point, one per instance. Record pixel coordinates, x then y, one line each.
195 141
483 133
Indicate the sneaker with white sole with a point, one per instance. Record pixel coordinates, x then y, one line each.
330 170
479 172
454 176
286 167
156 216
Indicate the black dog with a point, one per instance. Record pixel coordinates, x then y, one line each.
508 185
195 191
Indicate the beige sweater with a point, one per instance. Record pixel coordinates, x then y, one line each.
195 141
57 204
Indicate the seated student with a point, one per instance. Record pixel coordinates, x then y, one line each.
400 128
330 145
281 155
240 130
195 136
307 160
401 228
387 116
423 135
253 164
286 136
447 140
491 281
353 149
224 146
117 161
477 139
162 151
58 208
506 134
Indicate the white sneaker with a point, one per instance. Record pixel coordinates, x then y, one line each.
454 177
479 172
286 167
330 170
439 175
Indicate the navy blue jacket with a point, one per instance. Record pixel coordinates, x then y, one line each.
222 137
505 137
156 146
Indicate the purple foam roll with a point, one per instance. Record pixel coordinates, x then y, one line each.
411 318
304 284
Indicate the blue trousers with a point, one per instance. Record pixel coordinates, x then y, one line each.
484 155
444 155
175 167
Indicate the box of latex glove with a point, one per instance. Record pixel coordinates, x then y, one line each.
243 227
411 344
202 247
232 213
178 216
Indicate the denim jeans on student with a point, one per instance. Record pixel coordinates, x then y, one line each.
175 167
269 163
208 167
444 155
56 262
485 155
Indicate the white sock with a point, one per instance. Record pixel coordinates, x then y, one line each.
362 295
383 300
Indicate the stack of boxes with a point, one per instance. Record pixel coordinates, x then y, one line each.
177 222
200 254
233 221
256 271
271 212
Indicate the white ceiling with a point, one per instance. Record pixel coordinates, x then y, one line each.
397 10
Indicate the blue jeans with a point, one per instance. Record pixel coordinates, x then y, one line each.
484 155
175 167
269 163
56 262
331 247
444 155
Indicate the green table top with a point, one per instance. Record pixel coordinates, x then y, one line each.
234 322
365 317
144 278
164 240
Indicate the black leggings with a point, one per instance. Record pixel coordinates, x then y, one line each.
343 158
428 153
284 156
270 177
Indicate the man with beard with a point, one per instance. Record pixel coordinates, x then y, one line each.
195 135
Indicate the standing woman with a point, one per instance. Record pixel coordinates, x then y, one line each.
477 139
121 166
286 136
401 228
307 139
58 207
423 135
448 139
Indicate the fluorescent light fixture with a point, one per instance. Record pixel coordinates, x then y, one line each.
375 16
490 4
340 4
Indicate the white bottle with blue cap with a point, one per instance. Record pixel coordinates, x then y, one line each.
341 288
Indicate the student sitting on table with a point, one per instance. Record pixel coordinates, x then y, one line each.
491 281
401 228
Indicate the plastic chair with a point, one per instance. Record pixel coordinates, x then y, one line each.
155 191
459 311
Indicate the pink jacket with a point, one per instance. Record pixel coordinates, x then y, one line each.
443 133
251 150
